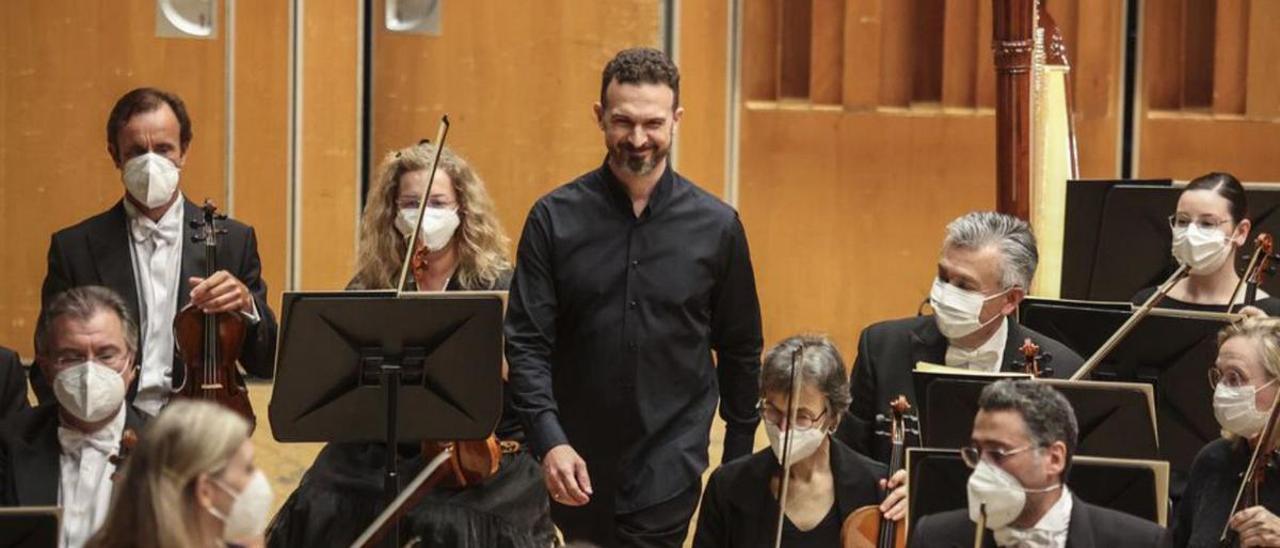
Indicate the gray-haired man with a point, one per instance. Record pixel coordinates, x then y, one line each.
1024 436
987 263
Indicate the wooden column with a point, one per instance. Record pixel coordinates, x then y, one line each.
1013 38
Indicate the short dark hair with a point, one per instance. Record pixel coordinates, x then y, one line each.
82 303
1046 412
1227 186
641 66
143 100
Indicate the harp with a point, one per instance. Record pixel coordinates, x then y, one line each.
1035 137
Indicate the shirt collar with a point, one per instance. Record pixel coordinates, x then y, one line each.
1058 518
170 222
106 439
618 191
987 356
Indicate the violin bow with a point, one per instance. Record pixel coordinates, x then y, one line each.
441 133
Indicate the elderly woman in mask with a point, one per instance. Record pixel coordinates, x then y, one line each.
1244 378
460 246
1210 226
827 481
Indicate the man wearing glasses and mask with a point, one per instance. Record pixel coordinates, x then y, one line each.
60 453
1024 436
986 266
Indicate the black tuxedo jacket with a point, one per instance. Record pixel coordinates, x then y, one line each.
13 384
738 508
1090 526
96 252
887 354
30 465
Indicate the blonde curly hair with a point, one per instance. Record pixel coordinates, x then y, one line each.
480 240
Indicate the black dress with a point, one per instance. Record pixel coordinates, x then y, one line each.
1270 305
1211 489
342 492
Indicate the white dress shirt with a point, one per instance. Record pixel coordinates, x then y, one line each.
1049 532
156 250
84 490
986 357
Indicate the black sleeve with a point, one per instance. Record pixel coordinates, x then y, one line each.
13 384
918 539
258 353
711 530
737 340
530 330
1183 519
858 426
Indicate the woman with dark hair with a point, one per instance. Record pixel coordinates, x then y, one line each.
460 246
827 480
1210 226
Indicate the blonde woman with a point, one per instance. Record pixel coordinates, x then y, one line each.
189 482
461 246
1245 384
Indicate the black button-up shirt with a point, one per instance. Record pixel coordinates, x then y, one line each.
610 326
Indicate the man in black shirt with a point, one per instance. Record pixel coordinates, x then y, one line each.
626 280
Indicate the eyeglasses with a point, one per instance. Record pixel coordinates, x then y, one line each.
1178 220
803 420
1232 378
111 359
973 454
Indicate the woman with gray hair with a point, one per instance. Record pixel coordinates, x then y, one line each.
827 480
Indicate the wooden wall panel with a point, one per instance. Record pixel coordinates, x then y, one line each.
1162 54
1230 56
1263 94
845 211
1182 148
760 50
328 187
827 52
795 28
261 162
63 64
519 98
960 53
703 58
1094 30
862 55
896 53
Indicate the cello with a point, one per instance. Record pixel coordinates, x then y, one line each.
210 343
866 526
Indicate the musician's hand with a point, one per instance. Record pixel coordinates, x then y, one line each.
1252 312
1257 527
894 506
221 292
566 476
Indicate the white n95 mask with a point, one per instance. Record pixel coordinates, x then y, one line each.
150 179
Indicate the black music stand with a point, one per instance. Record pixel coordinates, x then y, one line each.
1116 420
31 526
937 482
366 366
1171 350
1116 238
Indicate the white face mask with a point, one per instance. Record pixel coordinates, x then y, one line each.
150 179
250 509
998 493
803 442
957 310
437 228
1203 251
90 391
1236 410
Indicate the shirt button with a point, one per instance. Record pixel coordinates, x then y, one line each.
632 346
632 304
635 262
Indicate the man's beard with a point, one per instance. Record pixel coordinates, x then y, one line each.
623 157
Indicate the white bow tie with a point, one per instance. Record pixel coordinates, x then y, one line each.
972 359
74 441
1025 538
143 229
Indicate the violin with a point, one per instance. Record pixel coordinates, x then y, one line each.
866 526
210 343
1262 263
1034 359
